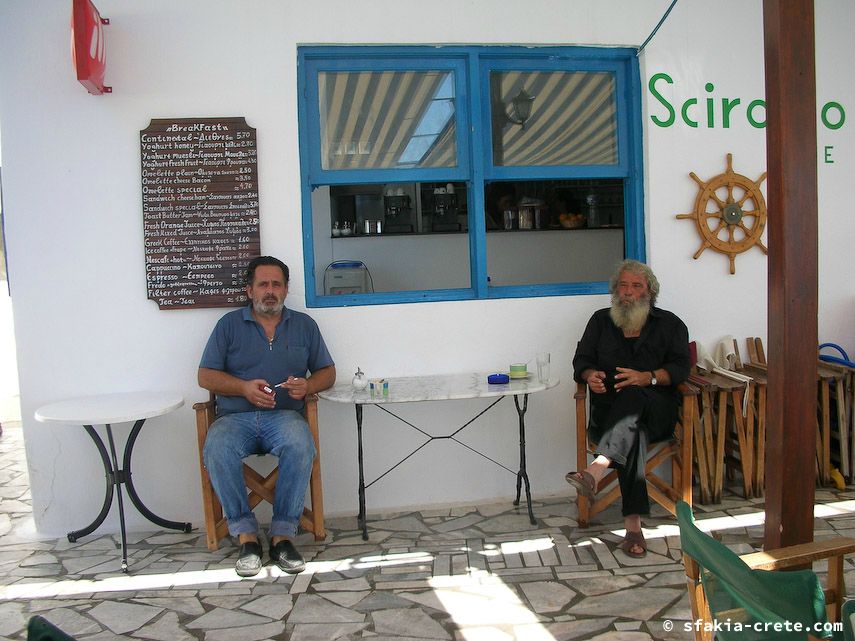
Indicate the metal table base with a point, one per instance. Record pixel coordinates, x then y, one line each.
521 473
115 477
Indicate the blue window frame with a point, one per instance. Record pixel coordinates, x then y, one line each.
420 142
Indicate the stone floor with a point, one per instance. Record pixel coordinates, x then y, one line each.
481 573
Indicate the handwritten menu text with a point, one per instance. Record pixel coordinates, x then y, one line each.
200 210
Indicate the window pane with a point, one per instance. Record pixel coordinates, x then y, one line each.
387 119
553 231
408 236
572 119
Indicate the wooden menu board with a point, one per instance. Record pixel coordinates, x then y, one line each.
200 210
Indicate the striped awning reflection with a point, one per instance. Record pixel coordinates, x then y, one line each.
403 119
573 119
369 120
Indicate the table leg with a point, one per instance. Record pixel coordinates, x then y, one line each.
361 518
118 479
132 492
108 495
522 475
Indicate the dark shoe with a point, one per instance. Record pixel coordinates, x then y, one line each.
249 559
286 556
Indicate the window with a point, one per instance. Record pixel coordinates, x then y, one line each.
450 173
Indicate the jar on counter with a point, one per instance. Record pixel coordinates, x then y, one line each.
508 217
530 214
593 213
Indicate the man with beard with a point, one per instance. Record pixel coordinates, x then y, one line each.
632 356
256 362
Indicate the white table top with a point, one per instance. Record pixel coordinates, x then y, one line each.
110 408
438 387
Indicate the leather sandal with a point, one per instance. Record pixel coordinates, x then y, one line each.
634 540
583 482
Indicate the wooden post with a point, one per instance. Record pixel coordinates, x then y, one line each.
791 148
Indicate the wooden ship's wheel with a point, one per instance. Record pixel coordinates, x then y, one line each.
730 213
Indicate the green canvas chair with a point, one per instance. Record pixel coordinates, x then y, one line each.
848 618
40 629
738 597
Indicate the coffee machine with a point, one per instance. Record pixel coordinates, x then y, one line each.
397 210
445 209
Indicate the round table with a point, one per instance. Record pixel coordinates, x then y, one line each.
107 409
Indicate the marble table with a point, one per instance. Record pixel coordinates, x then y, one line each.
413 389
107 409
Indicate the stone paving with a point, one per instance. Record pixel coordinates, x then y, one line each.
480 573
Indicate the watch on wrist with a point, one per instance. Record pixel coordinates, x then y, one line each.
653 380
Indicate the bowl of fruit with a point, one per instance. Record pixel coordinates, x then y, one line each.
572 221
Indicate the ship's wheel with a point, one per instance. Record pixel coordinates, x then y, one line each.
730 213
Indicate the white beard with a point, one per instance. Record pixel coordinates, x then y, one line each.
630 317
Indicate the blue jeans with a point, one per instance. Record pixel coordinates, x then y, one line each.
282 433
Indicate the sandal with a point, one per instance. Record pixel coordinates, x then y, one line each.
634 540
584 483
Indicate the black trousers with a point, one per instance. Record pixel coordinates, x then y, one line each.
623 429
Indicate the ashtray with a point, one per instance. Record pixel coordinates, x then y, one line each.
498 379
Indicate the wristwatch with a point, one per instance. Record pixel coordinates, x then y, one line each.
653 380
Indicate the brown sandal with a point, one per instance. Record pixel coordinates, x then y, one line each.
633 540
583 482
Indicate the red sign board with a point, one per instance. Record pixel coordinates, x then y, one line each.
88 50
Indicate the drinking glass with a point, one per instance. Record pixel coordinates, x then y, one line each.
543 367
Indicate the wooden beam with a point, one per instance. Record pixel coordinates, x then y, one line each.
791 148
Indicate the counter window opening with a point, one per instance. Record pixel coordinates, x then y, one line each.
456 173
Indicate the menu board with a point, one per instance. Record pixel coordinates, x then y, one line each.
200 210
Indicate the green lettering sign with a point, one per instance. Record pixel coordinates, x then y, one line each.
652 87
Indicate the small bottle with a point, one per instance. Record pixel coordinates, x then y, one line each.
335 230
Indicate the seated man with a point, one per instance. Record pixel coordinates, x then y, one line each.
256 362
632 357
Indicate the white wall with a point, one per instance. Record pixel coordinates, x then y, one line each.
74 228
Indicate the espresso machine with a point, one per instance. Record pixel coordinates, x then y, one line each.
445 209
397 210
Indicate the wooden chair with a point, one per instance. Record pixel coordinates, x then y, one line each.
678 450
740 594
260 487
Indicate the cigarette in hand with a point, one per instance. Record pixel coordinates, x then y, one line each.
285 383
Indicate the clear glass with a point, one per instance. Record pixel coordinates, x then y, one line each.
573 118
399 237
543 367
387 119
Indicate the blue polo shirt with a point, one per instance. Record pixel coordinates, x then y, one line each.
239 346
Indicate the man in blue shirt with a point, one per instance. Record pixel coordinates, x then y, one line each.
256 362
